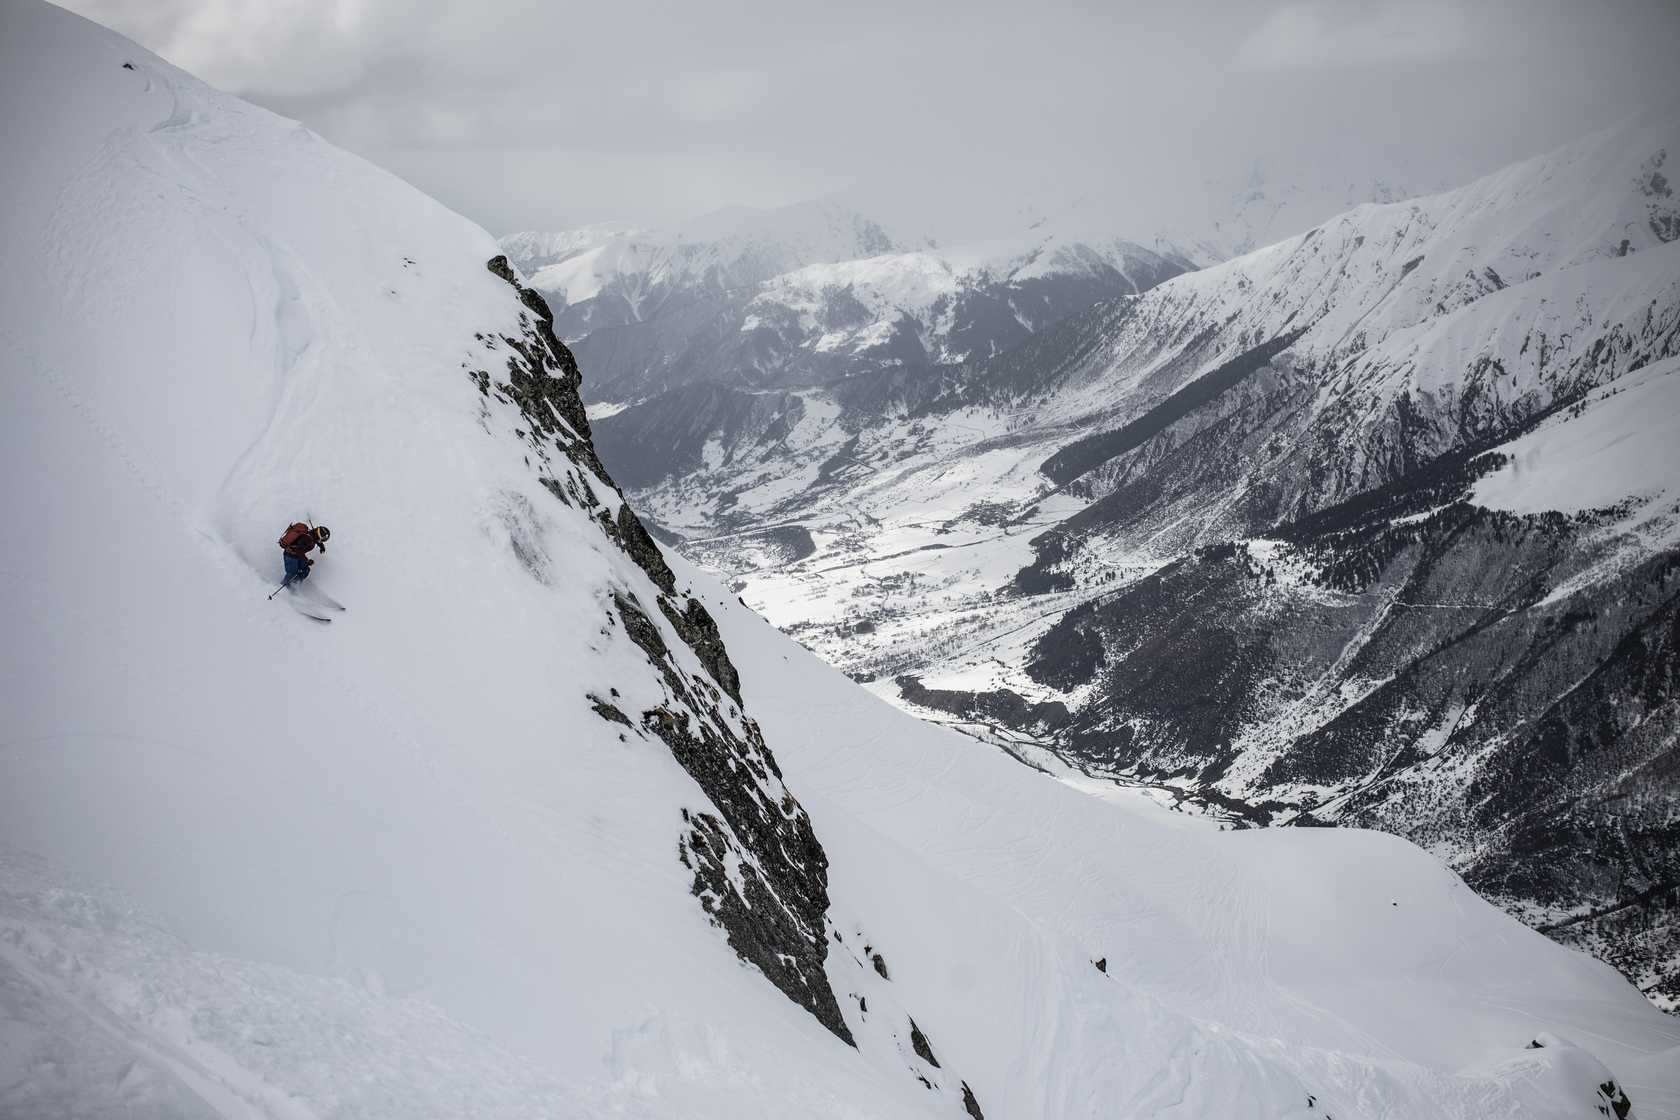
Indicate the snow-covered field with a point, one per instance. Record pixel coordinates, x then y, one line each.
397 866
1622 442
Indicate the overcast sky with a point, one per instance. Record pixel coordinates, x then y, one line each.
543 114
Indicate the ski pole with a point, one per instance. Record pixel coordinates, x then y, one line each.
287 582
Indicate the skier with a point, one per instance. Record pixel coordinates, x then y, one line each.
295 544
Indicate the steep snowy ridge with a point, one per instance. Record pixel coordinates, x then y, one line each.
1217 537
546 823
1383 292
1261 212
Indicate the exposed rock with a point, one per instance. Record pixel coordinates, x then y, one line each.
607 711
544 381
758 868
920 1044
699 630
639 544
760 925
1613 1101
642 630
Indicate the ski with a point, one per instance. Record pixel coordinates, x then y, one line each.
321 598
301 608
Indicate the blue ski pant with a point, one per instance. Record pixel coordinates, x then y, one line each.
296 567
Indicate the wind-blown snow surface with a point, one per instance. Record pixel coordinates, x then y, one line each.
397 866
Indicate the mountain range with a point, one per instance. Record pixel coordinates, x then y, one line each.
1373 526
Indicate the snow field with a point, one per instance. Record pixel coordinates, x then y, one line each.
1622 442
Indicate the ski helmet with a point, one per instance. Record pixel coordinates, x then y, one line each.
322 532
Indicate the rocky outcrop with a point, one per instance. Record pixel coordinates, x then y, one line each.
758 869
543 377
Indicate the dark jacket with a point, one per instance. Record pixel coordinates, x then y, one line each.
297 540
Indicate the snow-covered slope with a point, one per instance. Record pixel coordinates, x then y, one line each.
977 541
1263 210
1619 444
541 825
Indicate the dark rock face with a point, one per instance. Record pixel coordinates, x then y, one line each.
1613 1101
784 941
543 376
758 869
773 908
699 630
920 1044
635 540
970 1105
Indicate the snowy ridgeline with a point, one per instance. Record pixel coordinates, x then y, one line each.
812 293
511 837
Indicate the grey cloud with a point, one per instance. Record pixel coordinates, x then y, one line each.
524 113
1320 33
